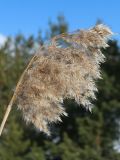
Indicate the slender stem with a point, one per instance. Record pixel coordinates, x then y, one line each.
6 114
14 97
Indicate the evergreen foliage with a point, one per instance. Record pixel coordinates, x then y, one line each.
82 136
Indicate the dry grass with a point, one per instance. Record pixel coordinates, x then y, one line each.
65 68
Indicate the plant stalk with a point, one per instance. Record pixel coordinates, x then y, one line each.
9 107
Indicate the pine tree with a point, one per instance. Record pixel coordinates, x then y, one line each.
83 135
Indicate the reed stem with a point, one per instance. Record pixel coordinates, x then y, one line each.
9 107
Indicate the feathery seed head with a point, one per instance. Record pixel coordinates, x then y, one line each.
66 68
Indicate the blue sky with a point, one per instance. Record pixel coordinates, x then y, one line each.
28 16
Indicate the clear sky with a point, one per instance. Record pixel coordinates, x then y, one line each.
28 16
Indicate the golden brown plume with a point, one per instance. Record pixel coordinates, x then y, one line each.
66 67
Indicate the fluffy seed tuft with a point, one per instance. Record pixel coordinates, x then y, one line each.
65 68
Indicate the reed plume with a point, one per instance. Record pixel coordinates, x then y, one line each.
65 67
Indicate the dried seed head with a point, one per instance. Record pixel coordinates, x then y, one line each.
65 68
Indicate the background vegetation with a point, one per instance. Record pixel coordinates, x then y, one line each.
82 136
